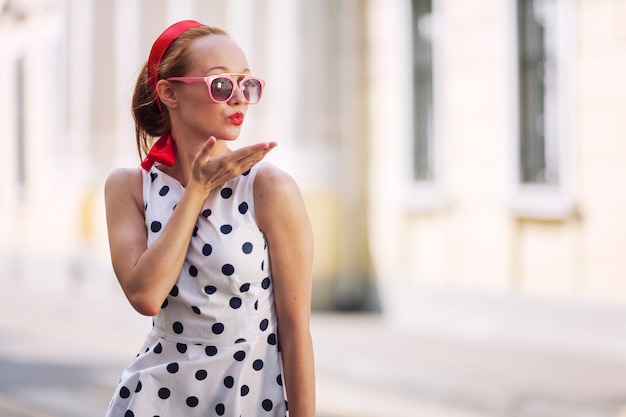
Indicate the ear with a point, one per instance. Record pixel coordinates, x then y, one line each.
167 93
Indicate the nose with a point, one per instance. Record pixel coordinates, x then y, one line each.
238 97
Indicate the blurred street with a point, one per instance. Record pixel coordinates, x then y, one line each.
62 349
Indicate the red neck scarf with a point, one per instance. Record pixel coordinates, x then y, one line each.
163 150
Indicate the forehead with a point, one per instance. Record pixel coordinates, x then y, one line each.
216 53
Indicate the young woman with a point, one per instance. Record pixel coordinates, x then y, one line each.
215 246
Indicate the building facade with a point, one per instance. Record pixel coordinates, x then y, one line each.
461 162
496 209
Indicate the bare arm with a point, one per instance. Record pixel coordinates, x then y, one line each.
282 216
146 275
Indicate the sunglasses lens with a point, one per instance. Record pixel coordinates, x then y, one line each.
221 89
252 90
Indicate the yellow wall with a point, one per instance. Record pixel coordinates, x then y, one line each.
474 239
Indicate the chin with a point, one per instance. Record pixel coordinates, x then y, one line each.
229 138
230 134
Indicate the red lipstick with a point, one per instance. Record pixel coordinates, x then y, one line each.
236 118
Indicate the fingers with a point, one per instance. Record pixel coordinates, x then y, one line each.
254 152
205 151
212 171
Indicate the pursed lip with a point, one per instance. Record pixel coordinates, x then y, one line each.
236 118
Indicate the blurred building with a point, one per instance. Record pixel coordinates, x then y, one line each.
462 161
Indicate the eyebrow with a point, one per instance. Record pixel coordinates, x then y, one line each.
225 70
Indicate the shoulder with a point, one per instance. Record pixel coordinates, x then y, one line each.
276 195
124 182
270 181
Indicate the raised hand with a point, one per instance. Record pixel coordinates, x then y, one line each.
212 171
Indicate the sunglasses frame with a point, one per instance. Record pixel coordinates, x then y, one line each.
229 76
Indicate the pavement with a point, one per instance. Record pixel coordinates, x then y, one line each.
63 345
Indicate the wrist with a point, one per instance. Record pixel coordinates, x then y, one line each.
199 190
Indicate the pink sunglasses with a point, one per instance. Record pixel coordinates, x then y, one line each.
222 86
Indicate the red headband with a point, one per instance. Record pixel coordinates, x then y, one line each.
159 47
163 150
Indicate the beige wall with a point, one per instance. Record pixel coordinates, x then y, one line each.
602 149
467 255
462 234
81 61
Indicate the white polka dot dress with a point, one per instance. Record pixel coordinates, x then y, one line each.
213 349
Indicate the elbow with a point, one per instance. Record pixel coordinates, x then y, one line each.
144 304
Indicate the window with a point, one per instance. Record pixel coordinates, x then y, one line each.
423 117
537 84
542 147
424 171
20 125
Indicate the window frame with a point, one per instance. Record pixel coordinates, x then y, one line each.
542 201
428 194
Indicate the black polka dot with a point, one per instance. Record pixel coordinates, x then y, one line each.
192 401
263 325
263 266
229 381
226 229
228 270
155 226
174 291
129 413
265 283
271 339
279 380
217 328
172 368
158 348
165 303
210 289
124 392
210 350
196 310
181 347
153 176
244 288
244 390
164 190
193 271
257 365
206 213
164 393
256 305
207 249
240 340
226 192
247 172
235 302
239 355
243 208
267 405
201 375
138 387
195 231
247 248
177 327
220 409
